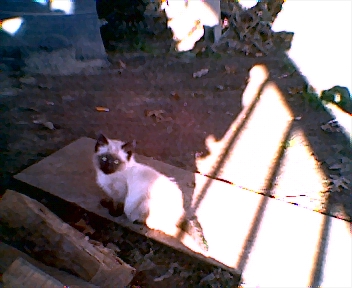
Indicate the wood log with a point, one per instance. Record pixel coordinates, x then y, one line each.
9 254
22 274
57 244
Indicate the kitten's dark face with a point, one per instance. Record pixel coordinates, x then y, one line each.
109 163
111 155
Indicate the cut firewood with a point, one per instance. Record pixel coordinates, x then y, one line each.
9 254
55 243
23 274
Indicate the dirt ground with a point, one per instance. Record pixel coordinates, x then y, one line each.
135 84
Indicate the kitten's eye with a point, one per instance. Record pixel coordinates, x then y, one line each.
104 158
116 162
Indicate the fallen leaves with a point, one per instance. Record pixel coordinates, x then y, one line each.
102 109
331 127
168 274
191 184
122 64
230 69
336 166
157 115
216 274
28 80
84 227
343 165
200 73
337 183
42 121
175 96
295 90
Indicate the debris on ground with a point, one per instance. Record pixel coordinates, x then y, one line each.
200 73
249 30
331 127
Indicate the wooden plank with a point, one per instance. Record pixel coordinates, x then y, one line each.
269 241
22 274
9 254
58 244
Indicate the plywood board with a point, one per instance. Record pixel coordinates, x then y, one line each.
273 244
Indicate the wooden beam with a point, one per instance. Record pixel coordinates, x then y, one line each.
57 244
23 274
9 254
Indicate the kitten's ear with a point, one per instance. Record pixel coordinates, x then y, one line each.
101 141
129 148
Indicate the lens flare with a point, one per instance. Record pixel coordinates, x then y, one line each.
11 26
67 6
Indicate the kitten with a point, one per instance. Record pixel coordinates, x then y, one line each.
147 196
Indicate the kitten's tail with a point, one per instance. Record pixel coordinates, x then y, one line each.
195 230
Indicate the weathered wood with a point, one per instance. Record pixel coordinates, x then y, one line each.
22 274
9 254
57 244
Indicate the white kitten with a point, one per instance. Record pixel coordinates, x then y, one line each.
148 196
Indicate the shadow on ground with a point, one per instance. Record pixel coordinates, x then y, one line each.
183 111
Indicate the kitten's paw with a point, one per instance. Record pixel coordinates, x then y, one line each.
106 202
115 210
193 228
138 222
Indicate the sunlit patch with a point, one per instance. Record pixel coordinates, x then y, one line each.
67 6
248 3
300 179
11 26
42 2
258 142
324 62
343 118
186 21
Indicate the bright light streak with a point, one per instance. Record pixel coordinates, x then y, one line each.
67 6
12 25
343 118
258 141
248 3
42 2
321 46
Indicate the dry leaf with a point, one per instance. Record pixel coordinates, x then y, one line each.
168 274
295 90
185 274
209 277
198 154
122 64
28 80
283 76
230 70
86 228
49 125
102 109
200 73
175 96
169 129
147 264
113 247
338 182
332 127
46 124
157 115
191 184
337 166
